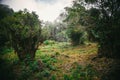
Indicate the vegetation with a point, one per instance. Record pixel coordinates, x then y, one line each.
107 26
23 28
82 45
56 61
5 11
55 31
75 19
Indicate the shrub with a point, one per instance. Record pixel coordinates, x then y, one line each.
24 30
77 35
46 73
53 77
67 77
6 70
83 73
49 42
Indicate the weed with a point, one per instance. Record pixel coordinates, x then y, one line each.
49 42
25 73
85 73
7 50
39 76
51 67
28 69
34 66
53 77
46 73
38 52
76 74
67 77
57 53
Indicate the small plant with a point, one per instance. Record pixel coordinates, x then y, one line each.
83 73
67 77
34 66
28 69
53 77
25 73
6 50
46 73
46 42
57 53
49 42
39 76
76 74
51 67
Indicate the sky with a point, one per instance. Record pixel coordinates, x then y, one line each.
47 10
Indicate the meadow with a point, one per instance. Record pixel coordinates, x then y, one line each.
56 61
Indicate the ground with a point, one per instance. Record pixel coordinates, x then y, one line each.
68 56
60 61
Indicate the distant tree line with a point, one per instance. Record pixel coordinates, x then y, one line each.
55 31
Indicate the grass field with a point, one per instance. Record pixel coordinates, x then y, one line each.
57 61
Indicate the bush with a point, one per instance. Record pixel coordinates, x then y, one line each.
29 69
77 35
53 77
49 42
67 77
6 70
82 73
46 73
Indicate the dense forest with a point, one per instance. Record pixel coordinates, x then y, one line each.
82 44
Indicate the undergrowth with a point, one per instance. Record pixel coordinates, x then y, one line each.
50 63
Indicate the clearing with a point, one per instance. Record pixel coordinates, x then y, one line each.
60 61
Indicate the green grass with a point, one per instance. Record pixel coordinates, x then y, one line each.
55 61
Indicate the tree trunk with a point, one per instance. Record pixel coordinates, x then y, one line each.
26 56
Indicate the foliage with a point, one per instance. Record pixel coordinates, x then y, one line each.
28 70
66 77
101 21
6 66
49 42
107 26
82 73
52 62
4 12
76 18
77 35
48 61
6 70
53 77
23 28
54 31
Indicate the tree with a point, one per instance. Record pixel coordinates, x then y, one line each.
23 30
55 31
76 19
107 26
4 12
76 34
